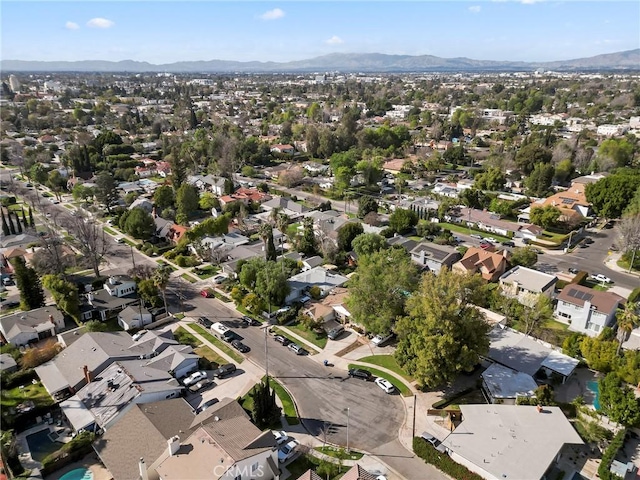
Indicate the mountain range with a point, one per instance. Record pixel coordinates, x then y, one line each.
338 62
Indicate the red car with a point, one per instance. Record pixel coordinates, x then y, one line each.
206 293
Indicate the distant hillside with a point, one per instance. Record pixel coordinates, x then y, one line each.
343 62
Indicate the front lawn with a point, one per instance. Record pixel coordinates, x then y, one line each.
387 361
210 355
319 339
400 386
309 462
288 407
339 453
218 343
186 338
110 231
188 278
205 272
32 391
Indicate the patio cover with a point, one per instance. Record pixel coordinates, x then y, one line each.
77 413
561 363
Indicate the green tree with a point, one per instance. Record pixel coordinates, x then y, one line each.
610 196
105 190
545 217
187 200
57 183
539 180
564 171
402 220
161 278
530 155
618 150
627 319
368 244
366 204
28 282
271 283
617 401
138 223
65 294
149 293
211 226
526 256
347 234
248 274
164 198
379 289
599 354
95 326
208 201
265 410
493 180
444 334
474 198
38 173
5 226
307 242
82 192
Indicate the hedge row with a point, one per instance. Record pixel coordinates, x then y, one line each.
21 377
69 453
442 461
604 470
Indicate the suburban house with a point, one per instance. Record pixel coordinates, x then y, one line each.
120 285
283 148
486 221
118 293
501 442
586 310
526 354
311 262
490 265
241 252
245 196
354 473
22 328
209 183
143 203
327 223
433 257
131 318
331 307
7 363
399 241
225 445
527 284
285 205
106 398
572 203
501 384
316 277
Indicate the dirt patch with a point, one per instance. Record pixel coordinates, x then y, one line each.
357 344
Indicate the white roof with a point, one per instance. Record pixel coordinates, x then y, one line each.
511 442
561 363
77 413
502 382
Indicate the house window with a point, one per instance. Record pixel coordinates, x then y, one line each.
255 467
565 315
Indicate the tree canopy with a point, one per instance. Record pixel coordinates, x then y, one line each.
28 282
402 220
368 244
546 216
347 234
138 223
612 194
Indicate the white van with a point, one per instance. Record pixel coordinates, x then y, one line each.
222 332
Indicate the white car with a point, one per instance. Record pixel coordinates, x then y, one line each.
385 385
601 278
381 339
195 378
281 436
490 240
287 451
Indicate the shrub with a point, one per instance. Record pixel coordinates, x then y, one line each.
441 461
635 295
70 452
609 455
580 277
21 377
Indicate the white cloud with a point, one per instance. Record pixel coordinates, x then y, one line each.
100 23
475 8
71 26
335 40
274 14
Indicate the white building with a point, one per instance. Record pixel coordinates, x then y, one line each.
612 130
585 310
120 286
527 284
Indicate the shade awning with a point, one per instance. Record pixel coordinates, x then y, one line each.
77 414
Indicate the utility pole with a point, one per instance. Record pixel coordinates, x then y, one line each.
133 261
348 410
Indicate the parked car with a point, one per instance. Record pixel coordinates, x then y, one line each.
335 332
207 293
295 348
224 370
194 378
201 385
485 245
9 304
283 340
206 405
490 240
381 339
361 373
385 385
250 322
573 270
120 240
205 322
218 279
287 451
600 278
508 244
283 310
281 436
136 336
437 444
241 347
588 240
476 236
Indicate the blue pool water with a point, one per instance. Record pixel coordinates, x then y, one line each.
78 474
593 387
40 445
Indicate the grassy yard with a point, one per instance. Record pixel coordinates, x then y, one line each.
554 237
34 392
205 272
388 362
129 242
402 388
218 343
279 331
110 231
210 355
164 264
340 453
319 339
309 462
189 278
186 338
112 325
467 231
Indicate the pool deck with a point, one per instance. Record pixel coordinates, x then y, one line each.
90 462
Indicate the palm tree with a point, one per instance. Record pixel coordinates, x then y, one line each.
266 234
161 280
627 319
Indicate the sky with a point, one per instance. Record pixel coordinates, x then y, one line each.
159 31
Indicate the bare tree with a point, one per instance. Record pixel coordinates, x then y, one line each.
629 236
91 240
142 271
50 257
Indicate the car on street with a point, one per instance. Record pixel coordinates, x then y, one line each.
381 339
508 244
361 373
241 347
476 236
224 370
485 245
287 451
119 240
207 293
205 322
194 378
385 385
433 441
335 332
281 339
490 240
281 436
588 240
201 385
9 304
573 270
218 279
250 322
206 405
295 348
599 277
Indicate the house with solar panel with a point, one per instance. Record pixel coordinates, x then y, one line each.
586 310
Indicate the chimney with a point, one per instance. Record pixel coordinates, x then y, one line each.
153 212
539 408
174 445
143 470
51 319
87 373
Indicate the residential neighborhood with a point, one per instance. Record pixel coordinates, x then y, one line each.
367 276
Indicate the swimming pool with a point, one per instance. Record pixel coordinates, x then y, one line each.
78 474
593 387
40 445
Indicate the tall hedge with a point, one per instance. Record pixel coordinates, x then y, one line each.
442 461
604 470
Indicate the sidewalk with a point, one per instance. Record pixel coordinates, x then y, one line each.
612 263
